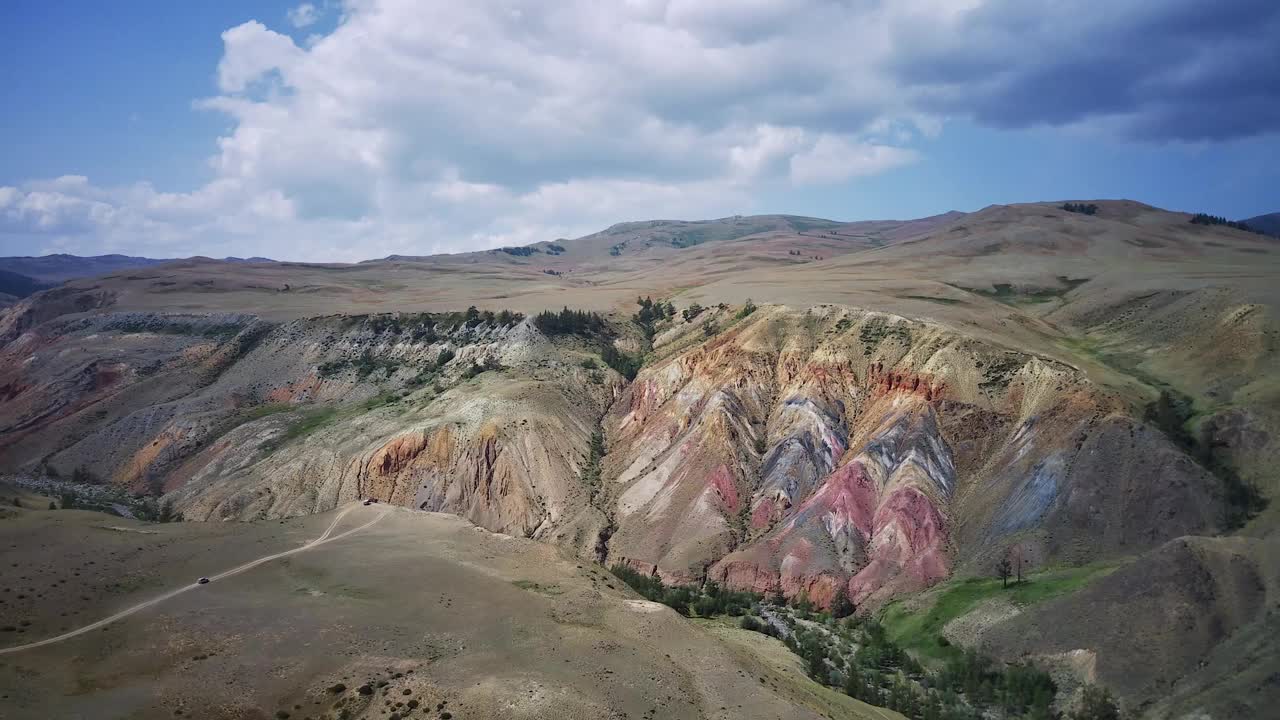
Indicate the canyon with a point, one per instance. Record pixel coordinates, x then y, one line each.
867 409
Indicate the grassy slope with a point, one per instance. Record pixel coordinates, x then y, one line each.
919 631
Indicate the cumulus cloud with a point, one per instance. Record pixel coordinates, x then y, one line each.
304 15
833 159
414 127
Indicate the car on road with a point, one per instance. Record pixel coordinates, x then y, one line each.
203 581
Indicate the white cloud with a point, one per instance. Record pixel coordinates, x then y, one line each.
304 15
834 159
252 51
415 126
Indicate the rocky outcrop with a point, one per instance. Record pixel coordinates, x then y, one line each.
805 452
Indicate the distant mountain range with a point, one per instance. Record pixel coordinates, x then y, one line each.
23 275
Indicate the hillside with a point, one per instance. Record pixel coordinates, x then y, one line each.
18 286
902 405
1269 223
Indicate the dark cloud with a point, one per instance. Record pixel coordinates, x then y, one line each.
1180 70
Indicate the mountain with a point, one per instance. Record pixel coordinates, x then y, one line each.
54 269
878 411
1269 223
49 270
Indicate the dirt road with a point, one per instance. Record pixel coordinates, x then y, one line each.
327 536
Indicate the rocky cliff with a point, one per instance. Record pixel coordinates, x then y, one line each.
808 450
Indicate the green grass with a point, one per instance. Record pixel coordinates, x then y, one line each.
311 422
920 631
1010 295
315 418
932 299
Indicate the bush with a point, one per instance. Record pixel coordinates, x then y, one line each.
332 367
747 308
750 623
1096 704
478 368
591 472
1081 208
519 251
626 365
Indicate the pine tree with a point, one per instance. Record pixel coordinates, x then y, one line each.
1003 570
841 605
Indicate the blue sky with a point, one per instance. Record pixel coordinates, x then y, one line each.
344 131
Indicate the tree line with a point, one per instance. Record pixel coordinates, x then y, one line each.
855 655
1207 219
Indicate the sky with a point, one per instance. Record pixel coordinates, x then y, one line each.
348 130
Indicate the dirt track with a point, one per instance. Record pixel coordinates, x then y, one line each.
324 538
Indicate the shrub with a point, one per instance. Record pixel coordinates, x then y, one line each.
1096 704
1082 208
591 471
626 365
478 368
331 368
519 251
